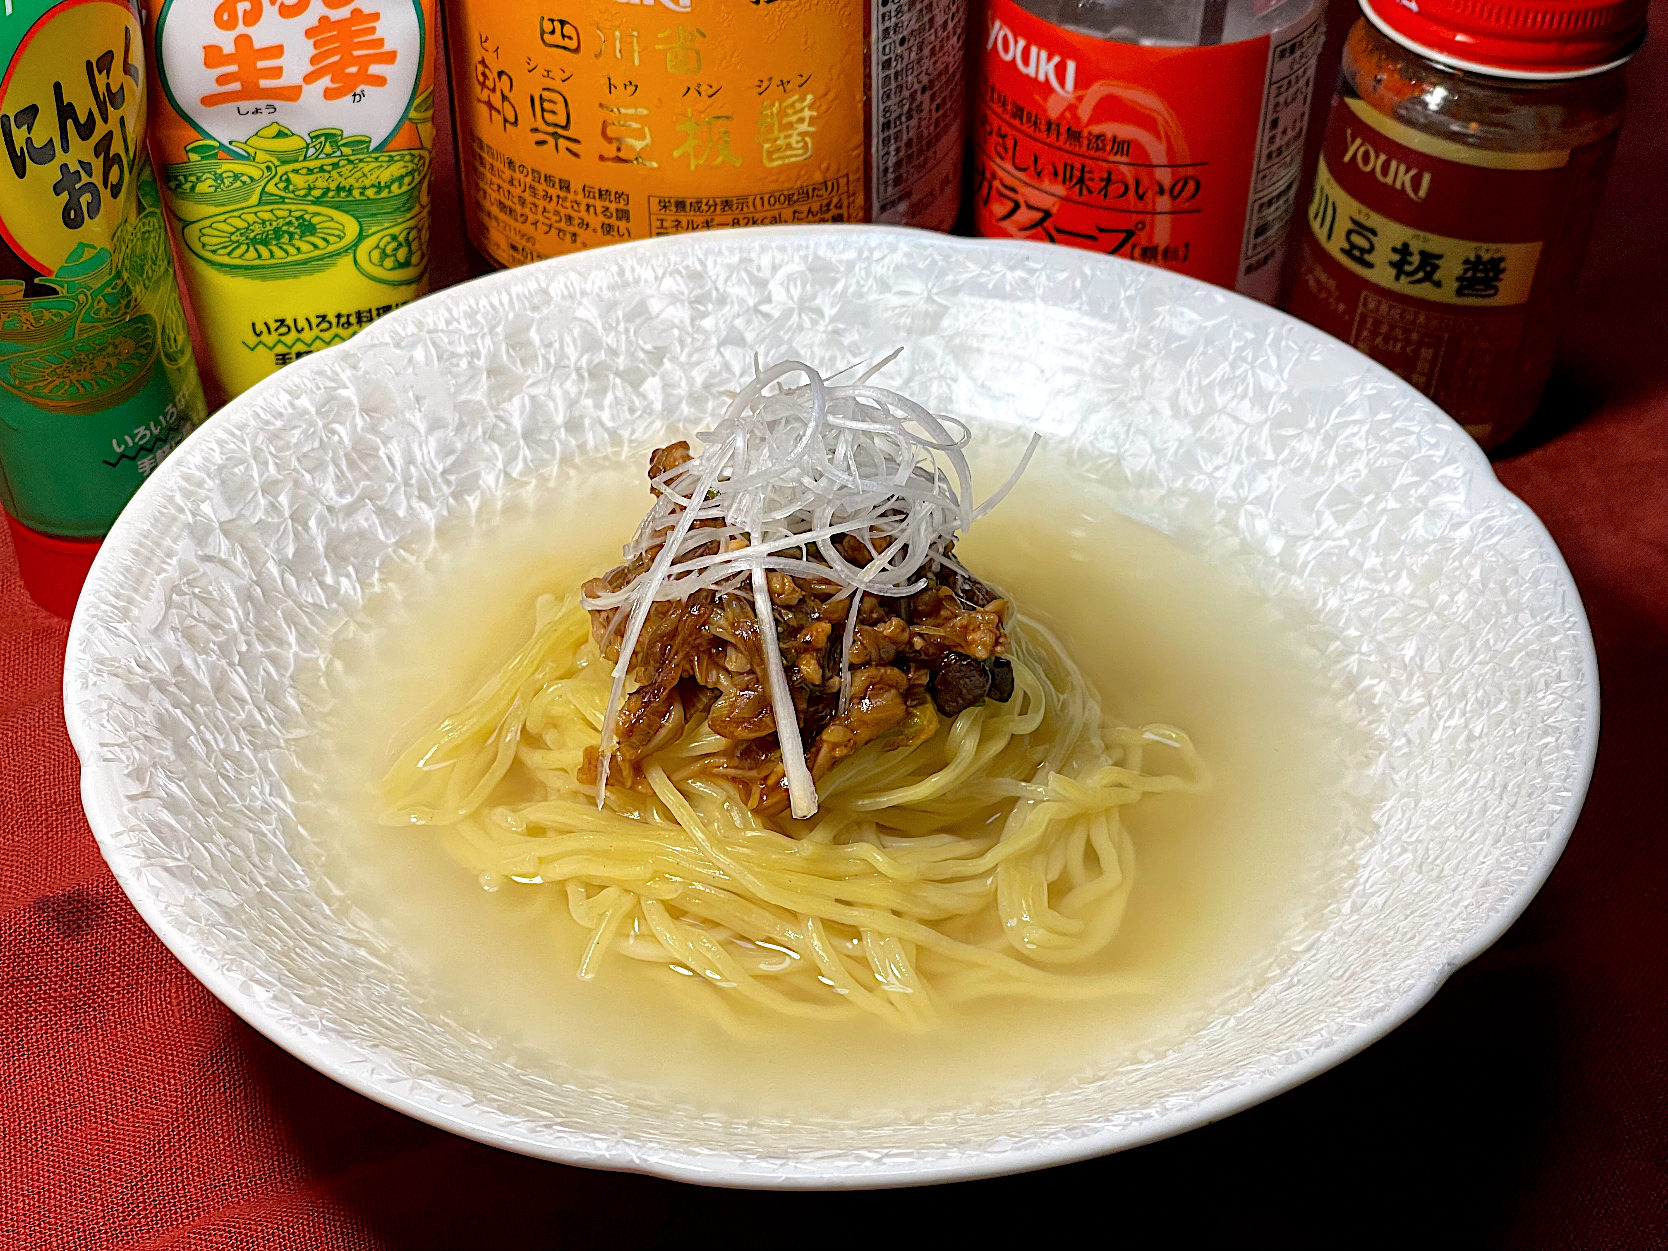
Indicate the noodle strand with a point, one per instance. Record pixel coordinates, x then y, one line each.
987 860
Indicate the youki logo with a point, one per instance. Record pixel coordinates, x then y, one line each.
1031 60
1386 168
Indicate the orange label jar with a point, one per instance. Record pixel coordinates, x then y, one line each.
587 122
1454 198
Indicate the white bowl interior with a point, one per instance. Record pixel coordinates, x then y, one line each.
1444 620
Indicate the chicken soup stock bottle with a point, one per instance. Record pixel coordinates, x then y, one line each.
1168 132
600 121
97 380
1457 186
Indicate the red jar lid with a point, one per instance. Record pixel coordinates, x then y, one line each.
1516 38
53 569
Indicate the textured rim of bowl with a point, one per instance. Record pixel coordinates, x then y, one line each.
102 802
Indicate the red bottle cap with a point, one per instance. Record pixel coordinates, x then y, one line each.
53 569
1534 39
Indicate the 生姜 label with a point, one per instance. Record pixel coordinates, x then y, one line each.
589 122
1187 158
295 160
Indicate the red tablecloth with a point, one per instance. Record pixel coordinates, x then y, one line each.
1522 1108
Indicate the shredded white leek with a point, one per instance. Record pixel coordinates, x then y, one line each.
783 474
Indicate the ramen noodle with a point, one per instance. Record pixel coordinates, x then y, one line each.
793 749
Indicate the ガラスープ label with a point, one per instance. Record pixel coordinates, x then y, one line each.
588 122
1183 157
294 144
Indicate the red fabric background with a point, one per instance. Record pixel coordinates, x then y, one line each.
1522 1108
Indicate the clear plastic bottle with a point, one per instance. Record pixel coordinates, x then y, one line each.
1175 23
1163 131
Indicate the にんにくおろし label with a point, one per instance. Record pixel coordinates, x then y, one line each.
97 380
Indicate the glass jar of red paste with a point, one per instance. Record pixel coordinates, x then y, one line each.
1458 181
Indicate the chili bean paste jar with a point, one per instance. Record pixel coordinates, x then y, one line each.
1458 181
582 123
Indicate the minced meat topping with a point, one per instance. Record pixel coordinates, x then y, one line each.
914 658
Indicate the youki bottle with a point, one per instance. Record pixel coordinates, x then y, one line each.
1160 131
1458 182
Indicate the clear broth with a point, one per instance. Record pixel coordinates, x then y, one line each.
1226 881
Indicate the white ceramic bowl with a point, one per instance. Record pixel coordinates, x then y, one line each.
1444 610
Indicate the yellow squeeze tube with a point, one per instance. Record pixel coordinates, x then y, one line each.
293 142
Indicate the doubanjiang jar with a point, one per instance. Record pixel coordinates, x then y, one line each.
1163 131
588 122
1457 186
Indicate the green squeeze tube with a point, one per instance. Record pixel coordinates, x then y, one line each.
97 380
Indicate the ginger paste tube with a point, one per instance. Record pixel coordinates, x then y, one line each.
294 143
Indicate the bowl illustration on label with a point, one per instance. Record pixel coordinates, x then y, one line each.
142 250
396 254
90 372
377 187
172 329
198 189
272 240
83 271
31 323
114 301
328 141
89 277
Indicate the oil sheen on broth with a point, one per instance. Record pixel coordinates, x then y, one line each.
1161 633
